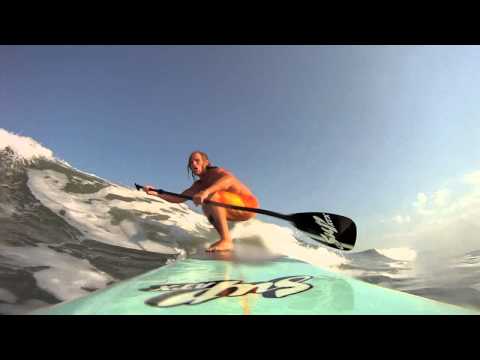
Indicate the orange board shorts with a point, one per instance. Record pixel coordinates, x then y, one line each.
230 198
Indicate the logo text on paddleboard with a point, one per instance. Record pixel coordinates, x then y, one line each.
197 293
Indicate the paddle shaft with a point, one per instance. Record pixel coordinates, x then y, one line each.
259 211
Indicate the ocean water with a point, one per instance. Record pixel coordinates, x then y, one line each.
65 233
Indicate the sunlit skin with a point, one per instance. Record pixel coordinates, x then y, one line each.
210 182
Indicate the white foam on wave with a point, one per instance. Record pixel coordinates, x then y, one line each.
67 275
24 147
89 213
281 240
401 254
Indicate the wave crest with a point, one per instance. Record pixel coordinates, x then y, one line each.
400 254
24 148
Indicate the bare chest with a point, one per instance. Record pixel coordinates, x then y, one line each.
235 186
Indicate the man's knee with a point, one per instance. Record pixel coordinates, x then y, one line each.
206 207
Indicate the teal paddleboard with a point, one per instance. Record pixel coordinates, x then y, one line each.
217 284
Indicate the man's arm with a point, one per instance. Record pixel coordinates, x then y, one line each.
171 198
192 190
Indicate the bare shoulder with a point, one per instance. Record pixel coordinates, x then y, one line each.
222 171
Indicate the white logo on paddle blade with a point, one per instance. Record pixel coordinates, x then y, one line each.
329 231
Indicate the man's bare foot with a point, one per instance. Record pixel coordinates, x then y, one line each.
221 245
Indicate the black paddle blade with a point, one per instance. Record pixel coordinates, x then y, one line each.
332 230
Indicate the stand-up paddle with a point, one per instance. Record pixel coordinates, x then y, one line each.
332 230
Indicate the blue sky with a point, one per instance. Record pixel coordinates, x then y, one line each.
360 131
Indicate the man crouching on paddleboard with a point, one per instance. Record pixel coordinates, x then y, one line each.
219 185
